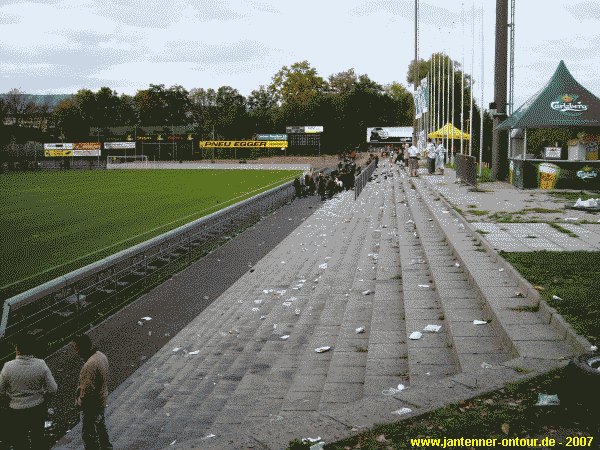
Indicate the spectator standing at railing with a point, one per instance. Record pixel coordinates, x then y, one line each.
92 393
28 384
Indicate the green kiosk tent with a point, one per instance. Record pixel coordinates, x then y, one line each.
562 102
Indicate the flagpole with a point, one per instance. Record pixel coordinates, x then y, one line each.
448 109
481 107
443 98
462 79
472 77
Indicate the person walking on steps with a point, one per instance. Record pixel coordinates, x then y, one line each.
92 393
413 160
440 153
430 157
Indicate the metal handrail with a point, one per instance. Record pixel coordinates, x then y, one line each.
360 181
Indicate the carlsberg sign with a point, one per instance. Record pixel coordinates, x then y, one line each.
568 105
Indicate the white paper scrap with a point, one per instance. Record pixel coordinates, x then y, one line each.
402 411
285 337
147 319
432 328
360 330
556 297
415 335
195 352
485 365
424 285
176 349
480 322
322 349
323 266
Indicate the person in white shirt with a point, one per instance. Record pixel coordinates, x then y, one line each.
413 160
28 384
430 149
440 153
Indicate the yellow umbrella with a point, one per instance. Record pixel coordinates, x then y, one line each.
448 131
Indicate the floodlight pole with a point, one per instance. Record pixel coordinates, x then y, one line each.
499 138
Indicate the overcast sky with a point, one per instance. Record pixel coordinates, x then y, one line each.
60 46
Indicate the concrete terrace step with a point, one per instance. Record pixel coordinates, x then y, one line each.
431 357
500 289
460 303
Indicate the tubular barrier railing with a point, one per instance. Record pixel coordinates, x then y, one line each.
362 179
60 307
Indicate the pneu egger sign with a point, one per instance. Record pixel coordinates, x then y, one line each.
237 144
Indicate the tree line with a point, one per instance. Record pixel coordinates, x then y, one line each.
345 103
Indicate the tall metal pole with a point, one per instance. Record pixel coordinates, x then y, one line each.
429 114
443 96
440 80
499 138
472 78
462 81
511 70
481 104
448 111
416 70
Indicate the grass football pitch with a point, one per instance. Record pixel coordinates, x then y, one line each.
54 222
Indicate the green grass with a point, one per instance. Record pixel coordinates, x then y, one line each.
486 175
573 196
539 210
55 222
479 212
562 229
572 276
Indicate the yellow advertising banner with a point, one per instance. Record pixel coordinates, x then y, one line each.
53 153
239 144
86 146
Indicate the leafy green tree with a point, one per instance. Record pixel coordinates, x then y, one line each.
262 107
69 119
18 107
299 84
231 113
203 105
342 82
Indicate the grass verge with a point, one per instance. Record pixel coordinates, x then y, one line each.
508 413
571 276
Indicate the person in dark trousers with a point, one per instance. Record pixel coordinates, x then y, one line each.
312 187
321 189
297 187
92 393
28 384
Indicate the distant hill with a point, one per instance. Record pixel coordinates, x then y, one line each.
51 99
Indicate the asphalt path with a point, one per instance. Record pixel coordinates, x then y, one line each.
172 305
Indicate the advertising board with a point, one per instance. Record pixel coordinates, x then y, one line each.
240 144
389 135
